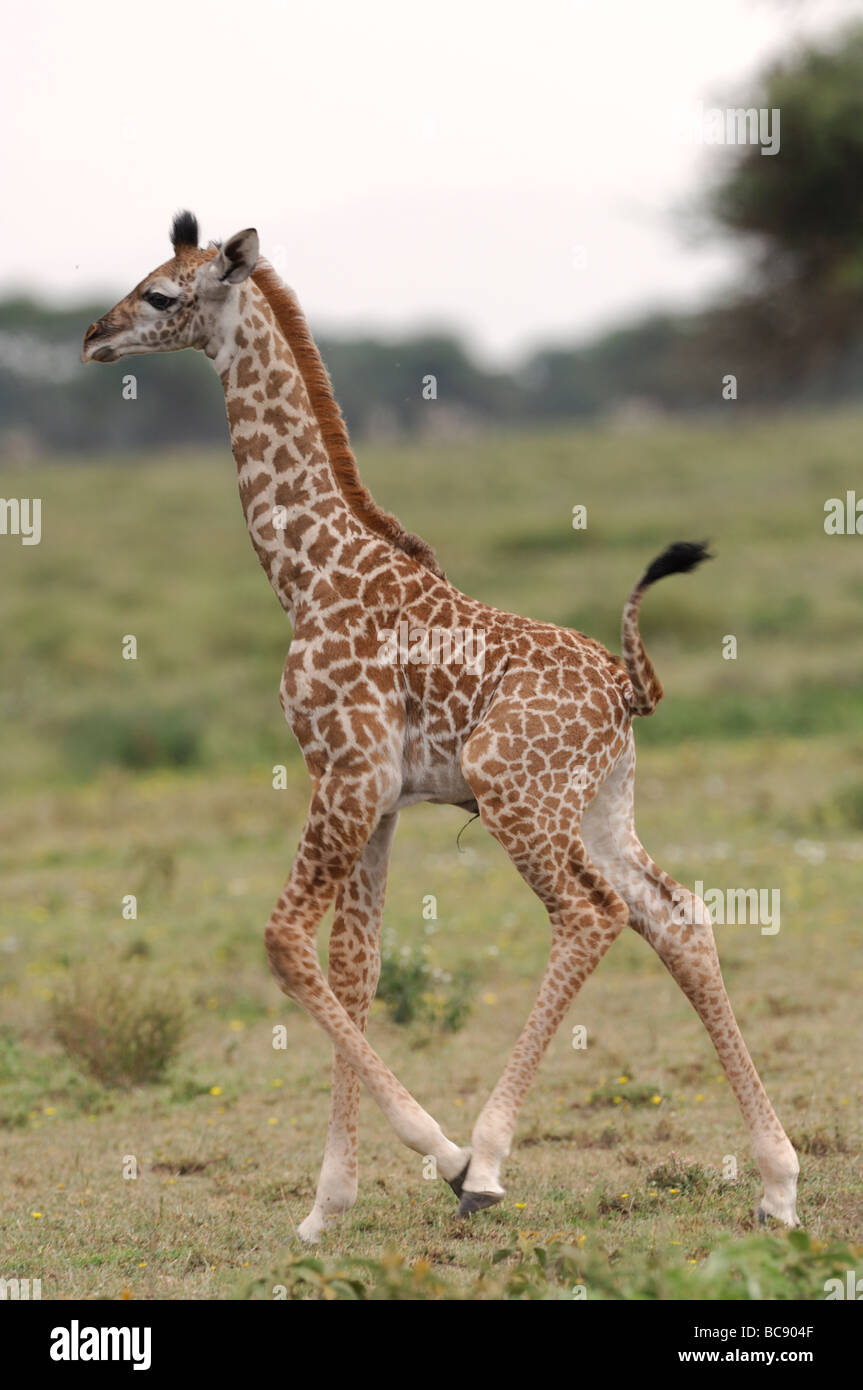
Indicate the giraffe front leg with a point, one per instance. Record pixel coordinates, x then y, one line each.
353 974
342 817
585 912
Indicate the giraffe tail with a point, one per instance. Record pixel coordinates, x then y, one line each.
679 558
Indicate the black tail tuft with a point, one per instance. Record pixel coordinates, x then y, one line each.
679 558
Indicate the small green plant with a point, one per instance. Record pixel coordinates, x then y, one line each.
624 1091
677 1176
414 991
308 1278
124 1031
791 1265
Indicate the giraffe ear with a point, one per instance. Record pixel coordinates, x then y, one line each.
236 258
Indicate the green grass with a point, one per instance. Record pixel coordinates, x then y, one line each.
153 778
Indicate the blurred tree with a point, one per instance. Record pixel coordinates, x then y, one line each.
801 212
792 332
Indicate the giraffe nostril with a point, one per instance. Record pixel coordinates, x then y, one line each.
96 330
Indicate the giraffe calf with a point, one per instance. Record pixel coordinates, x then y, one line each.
536 735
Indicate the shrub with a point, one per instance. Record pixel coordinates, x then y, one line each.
414 991
124 1031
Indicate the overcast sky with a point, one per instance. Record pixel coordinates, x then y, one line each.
510 169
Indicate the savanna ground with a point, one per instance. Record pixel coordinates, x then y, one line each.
154 777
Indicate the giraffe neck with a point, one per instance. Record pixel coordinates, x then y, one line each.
295 510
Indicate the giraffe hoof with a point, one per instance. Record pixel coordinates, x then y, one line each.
477 1201
457 1183
787 1217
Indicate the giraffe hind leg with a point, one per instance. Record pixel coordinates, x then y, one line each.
677 925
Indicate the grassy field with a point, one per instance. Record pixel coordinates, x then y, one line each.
154 778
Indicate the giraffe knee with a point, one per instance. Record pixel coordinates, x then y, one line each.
686 918
598 914
293 959
605 902
618 913
684 941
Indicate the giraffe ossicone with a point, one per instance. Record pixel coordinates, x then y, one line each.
537 737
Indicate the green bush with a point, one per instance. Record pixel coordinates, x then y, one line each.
125 1031
414 991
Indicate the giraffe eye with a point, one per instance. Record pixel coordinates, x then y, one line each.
159 301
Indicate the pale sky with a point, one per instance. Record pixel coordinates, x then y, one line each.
507 169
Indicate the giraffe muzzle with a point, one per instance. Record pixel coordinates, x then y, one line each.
94 349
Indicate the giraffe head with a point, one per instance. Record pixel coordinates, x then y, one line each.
187 302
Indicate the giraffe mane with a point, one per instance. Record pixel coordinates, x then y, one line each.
292 323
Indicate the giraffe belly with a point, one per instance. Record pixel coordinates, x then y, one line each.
444 786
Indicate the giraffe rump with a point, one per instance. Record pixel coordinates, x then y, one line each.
678 558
